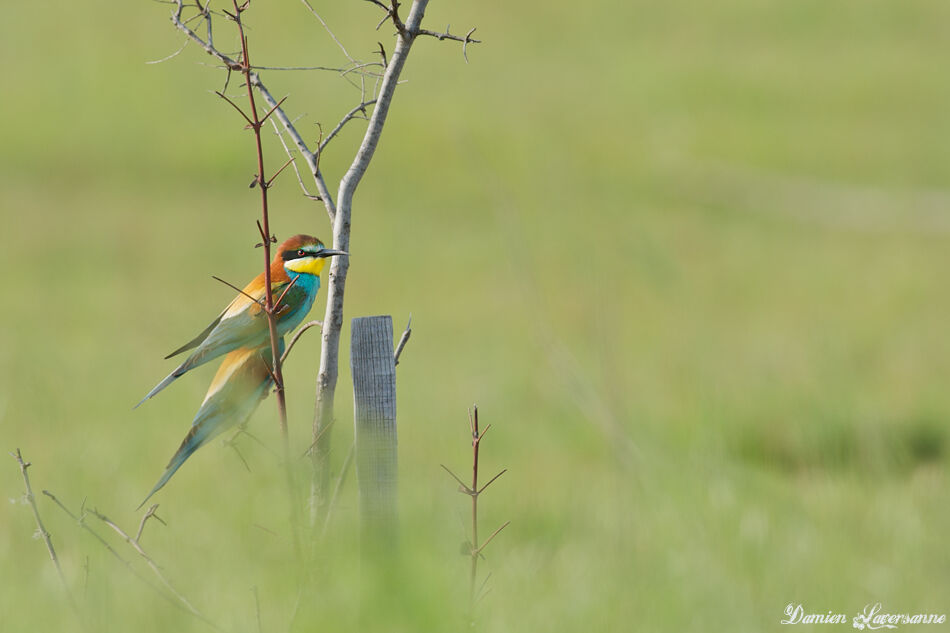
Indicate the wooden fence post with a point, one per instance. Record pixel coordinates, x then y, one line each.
374 399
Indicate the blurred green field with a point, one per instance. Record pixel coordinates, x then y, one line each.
687 258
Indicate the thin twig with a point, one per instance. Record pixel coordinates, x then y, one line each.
339 486
290 152
277 173
82 523
230 443
493 534
292 283
149 514
402 341
235 106
173 55
233 287
299 68
327 27
465 40
257 609
41 529
297 335
346 119
482 489
313 445
152 565
462 486
242 430
128 564
208 46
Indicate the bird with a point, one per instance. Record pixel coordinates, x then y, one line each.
242 381
295 280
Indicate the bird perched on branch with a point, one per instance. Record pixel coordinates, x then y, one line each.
295 280
242 381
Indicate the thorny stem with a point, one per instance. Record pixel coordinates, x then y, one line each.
476 440
256 122
473 491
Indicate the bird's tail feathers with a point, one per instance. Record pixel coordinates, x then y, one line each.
192 442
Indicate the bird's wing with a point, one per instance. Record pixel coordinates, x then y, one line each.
195 342
242 324
240 303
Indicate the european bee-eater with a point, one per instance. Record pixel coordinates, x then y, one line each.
242 381
295 280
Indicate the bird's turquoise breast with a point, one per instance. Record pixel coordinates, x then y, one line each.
301 297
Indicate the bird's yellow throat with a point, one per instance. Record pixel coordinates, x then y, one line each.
306 265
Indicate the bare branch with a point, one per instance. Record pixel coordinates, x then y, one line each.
467 41
149 514
297 335
333 320
41 529
152 565
208 46
128 565
346 119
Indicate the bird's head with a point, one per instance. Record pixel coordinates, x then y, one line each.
304 254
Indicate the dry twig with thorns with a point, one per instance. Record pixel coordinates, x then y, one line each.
473 547
41 528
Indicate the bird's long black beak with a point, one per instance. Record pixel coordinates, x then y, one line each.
329 252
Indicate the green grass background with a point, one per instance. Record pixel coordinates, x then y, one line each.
688 258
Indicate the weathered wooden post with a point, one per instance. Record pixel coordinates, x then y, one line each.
374 399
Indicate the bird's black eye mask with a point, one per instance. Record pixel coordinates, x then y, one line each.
295 254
